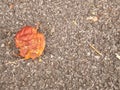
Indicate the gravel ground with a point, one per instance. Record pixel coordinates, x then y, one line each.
82 45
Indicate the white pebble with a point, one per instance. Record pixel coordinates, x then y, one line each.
3 45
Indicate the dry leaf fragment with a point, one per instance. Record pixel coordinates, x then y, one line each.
31 43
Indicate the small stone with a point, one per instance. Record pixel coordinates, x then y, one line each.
88 53
52 30
9 43
2 45
97 57
28 64
40 60
92 18
52 56
118 56
94 67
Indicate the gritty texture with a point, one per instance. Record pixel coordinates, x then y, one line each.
71 28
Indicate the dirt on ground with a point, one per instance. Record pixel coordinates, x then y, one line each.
82 45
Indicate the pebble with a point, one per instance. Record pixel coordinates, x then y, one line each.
118 56
92 18
88 53
52 30
2 45
97 57
52 56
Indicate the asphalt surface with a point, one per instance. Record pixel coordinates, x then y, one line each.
82 45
